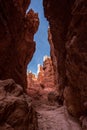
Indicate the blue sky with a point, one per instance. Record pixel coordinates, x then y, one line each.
41 37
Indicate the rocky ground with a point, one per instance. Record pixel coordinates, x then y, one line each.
52 116
16 111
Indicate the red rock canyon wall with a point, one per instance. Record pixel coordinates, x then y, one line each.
68 26
17 30
44 82
16 39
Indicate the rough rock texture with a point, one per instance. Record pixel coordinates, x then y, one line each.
16 39
53 58
31 78
58 15
48 79
56 118
76 59
16 112
68 25
33 87
40 73
43 86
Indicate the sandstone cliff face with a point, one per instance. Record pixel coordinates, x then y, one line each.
16 39
16 49
53 58
33 87
58 14
67 21
16 111
44 83
76 59
48 80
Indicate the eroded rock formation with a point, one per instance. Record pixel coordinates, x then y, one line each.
17 29
47 72
58 15
16 111
68 40
44 83
68 27
53 58
16 39
33 87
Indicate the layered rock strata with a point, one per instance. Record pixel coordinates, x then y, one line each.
68 27
17 30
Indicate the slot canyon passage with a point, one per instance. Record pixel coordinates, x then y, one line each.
57 98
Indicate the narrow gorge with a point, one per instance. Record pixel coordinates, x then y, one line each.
55 98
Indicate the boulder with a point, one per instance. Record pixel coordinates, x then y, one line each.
16 111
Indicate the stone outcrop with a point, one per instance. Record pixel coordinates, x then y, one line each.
17 30
40 73
67 21
33 87
76 59
44 83
16 111
47 71
58 15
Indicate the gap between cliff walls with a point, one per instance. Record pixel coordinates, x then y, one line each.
41 37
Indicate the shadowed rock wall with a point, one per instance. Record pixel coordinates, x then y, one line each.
53 57
58 14
68 25
17 30
16 39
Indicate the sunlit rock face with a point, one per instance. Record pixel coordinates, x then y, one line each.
48 72
33 87
16 39
68 23
44 82
40 73
16 111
